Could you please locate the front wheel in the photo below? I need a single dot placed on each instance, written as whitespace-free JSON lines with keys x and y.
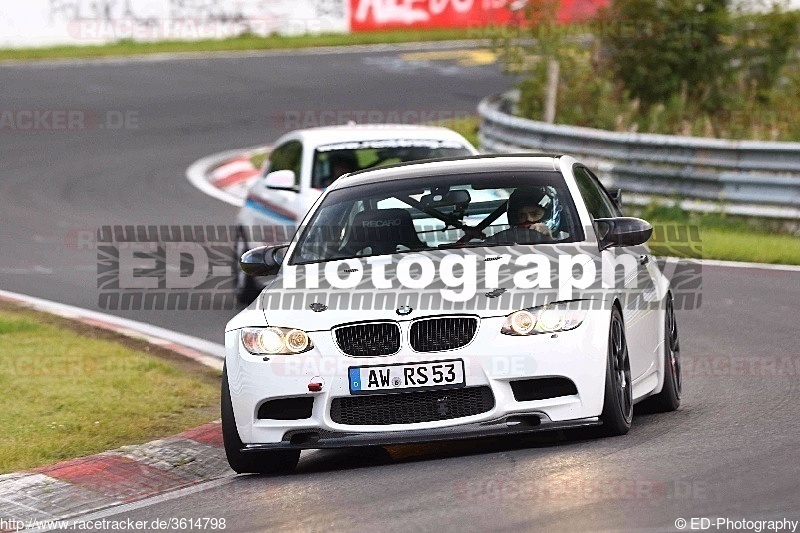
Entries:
{"x":262,"y":462}
{"x":617,"y":412}
{"x":669,"y":399}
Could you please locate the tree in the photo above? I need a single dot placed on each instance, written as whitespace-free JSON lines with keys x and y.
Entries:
{"x":679,"y":49}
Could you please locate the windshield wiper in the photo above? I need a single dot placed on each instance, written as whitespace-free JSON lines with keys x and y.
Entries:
{"x":464,"y":245}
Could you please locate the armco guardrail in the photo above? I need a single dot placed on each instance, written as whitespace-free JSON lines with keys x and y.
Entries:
{"x":738,"y":177}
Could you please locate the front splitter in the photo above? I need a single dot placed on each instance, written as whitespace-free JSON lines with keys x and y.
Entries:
{"x":510,"y":425}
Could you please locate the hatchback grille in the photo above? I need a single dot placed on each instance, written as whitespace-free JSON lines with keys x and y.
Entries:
{"x":364,"y":340}
{"x":447,"y":333}
{"x":411,"y":407}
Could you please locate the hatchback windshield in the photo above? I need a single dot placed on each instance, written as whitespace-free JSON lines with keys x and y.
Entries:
{"x":440,"y":212}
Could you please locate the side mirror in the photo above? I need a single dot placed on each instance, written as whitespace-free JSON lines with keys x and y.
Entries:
{"x":616,"y":197}
{"x":264,"y":260}
{"x":622,"y":231}
{"x":280,"y":180}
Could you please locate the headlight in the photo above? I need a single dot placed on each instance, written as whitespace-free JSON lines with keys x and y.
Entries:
{"x":551,"y":318}
{"x":274,"y":341}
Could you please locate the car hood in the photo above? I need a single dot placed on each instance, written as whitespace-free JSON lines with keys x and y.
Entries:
{"x":477,"y":281}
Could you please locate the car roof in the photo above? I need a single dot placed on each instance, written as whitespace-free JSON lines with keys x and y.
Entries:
{"x":450,"y":165}
{"x":370,"y":132}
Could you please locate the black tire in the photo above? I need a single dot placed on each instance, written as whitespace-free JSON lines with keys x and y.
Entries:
{"x":669,"y":399}
{"x":617,"y":412}
{"x":245,"y":287}
{"x":263,"y":462}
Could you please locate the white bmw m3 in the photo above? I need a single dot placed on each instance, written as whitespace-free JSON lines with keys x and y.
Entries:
{"x":449,"y":299}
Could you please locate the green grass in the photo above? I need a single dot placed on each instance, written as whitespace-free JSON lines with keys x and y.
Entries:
{"x":467,"y":127}
{"x":751,"y":247}
{"x":729,"y":238}
{"x":731,"y":245}
{"x":722,"y":243}
{"x":70,"y":390}
{"x":246,"y":42}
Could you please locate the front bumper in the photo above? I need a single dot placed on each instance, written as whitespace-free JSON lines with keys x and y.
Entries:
{"x":579,"y":355}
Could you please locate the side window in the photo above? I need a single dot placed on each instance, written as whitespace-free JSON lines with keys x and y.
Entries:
{"x":287,"y":156}
{"x":604,"y":194}
{"x":597,"y":201}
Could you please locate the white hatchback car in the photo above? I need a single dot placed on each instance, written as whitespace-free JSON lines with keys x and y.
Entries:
{"x":455,"y":298}
{"x":304,"y":162}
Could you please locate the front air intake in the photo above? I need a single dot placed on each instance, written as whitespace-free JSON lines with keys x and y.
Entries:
{"x":526,"y":390}
{"x":298,"y":408}
{"x":411,"y":407}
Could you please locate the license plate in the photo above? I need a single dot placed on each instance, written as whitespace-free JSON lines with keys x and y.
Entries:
{"x":441,"y":374}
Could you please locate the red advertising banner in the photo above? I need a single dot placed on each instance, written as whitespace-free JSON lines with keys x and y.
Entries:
{"x":366,"y":15}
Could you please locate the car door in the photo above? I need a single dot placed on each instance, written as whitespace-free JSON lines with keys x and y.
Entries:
{"x":638,"y":309}
{"x":272,"y":206}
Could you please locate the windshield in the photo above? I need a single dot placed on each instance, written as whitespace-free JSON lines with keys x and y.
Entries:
{"x":438,"y":212}
{"x":334,"y":160}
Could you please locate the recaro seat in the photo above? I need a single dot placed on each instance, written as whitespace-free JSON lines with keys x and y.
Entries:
{"x":383,"y":230}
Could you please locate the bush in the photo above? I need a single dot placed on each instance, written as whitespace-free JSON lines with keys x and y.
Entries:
{"x":667,"y":66}
{"x":681,"y":52}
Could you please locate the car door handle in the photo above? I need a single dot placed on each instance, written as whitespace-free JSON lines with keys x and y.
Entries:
{"x":644,"y":259}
